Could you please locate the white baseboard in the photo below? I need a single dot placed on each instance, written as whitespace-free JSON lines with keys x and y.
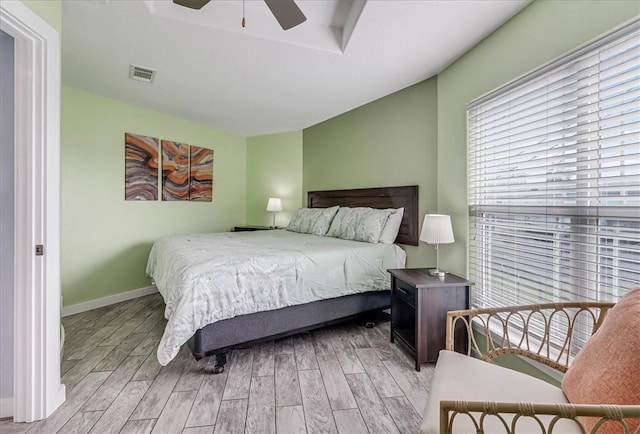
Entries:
{"x":6,"y":407}
{"x":106,"y":301}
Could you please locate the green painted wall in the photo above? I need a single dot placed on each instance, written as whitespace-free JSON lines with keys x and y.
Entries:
{"x":274,"y":169}
{"x":105,"y":240}
{"x":388,"y":142}
{"x":540,"y":33}
{"x":414,"y":136}
{"x":48,"y":10}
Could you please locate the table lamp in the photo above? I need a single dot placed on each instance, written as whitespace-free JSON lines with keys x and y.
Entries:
{"x":436,"y":229}
{"x":274,"y":205}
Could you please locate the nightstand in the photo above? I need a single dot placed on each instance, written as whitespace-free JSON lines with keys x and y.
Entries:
{"x":252,"y":228}
{"x":419,"y":305}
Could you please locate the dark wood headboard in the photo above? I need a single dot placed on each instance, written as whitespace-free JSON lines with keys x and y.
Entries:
{"x":382,"y":197}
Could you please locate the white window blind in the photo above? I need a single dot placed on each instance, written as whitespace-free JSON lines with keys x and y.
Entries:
{"x":554,"y":180}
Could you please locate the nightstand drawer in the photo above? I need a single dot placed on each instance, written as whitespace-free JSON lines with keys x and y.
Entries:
{"x":405,"y":291}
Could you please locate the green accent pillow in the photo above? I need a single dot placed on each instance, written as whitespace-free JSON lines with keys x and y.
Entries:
{"x":359,"y":224}
{"x":315,"y":221}
{"x":392,"y":227}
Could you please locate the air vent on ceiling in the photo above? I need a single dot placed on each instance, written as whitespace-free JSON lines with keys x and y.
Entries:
{"x":141,"y":74}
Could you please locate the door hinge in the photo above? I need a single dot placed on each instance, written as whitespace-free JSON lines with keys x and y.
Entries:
{"x":39,"y":250}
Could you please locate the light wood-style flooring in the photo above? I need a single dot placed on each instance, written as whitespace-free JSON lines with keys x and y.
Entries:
{"x":344,"y":379}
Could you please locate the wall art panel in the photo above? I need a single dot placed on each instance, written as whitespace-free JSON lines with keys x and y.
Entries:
{"x":141,"y":167}
{"x":201,"y":174}
{"x":175,"y":171}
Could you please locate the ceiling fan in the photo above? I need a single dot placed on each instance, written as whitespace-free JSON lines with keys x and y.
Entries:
{"x":286,"y":12}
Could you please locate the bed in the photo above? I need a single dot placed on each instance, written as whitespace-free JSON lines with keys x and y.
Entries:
{"x":213,"y":319}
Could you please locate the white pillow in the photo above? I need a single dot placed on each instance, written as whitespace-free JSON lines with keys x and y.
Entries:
{"x":391,"y":229}
{"x":315,"y":221}
{"x":359,"y":224}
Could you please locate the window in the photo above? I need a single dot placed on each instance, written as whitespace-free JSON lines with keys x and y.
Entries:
{"x":554,"y":180}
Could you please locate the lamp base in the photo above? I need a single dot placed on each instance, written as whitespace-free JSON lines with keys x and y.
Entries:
{"x":436,"y":272}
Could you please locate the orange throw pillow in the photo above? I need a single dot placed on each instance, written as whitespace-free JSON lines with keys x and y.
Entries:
{"x":607,"y":369}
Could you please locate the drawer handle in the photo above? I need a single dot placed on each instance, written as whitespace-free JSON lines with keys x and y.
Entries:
{"x":401,"y":290}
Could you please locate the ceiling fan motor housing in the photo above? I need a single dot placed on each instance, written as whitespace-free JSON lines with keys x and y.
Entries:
{"x":286,"y":12}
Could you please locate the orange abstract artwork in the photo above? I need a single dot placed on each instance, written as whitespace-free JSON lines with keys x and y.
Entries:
{"x":141,"y":167}
{"x":186,"y":174}
{"x":175,"y":171}
{"x":200,"y":174}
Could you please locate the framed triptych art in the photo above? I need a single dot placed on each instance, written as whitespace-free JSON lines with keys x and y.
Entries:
{"x":184,"y":172}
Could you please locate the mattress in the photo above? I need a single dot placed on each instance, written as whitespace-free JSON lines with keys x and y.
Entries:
{"x":205,"y":278}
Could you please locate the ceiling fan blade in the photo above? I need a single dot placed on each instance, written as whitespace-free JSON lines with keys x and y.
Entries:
{"x":286,"y":12}
{"x":192,"y":4}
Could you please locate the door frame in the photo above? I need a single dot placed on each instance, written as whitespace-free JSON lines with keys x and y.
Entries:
{"x":37,"y":391}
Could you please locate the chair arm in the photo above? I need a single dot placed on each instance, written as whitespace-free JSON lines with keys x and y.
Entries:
{"x":542,"y":332}
{"x":478,"y":410}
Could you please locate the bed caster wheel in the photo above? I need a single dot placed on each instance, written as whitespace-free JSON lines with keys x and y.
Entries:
{"x":370,"y":324}
{"x":221,"y":360}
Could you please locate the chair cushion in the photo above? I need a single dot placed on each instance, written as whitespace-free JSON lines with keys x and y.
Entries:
{"x":458,"y":377}
{"x":606,"y":370}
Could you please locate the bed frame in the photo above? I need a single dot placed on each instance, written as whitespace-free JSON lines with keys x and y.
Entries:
{"x":220,"y":337}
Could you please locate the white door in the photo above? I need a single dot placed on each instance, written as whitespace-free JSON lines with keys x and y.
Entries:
{"x":37,"y":391}
{"x":6,"y":223}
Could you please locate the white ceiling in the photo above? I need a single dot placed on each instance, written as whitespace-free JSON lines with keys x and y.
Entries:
{"x":261,"y":79}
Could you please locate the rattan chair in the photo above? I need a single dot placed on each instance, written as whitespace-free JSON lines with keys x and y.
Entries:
{"x":545,"y":333}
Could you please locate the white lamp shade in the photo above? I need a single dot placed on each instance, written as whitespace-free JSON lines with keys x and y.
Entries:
{"x":274,"y":204}
{"x":436,"y":229}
